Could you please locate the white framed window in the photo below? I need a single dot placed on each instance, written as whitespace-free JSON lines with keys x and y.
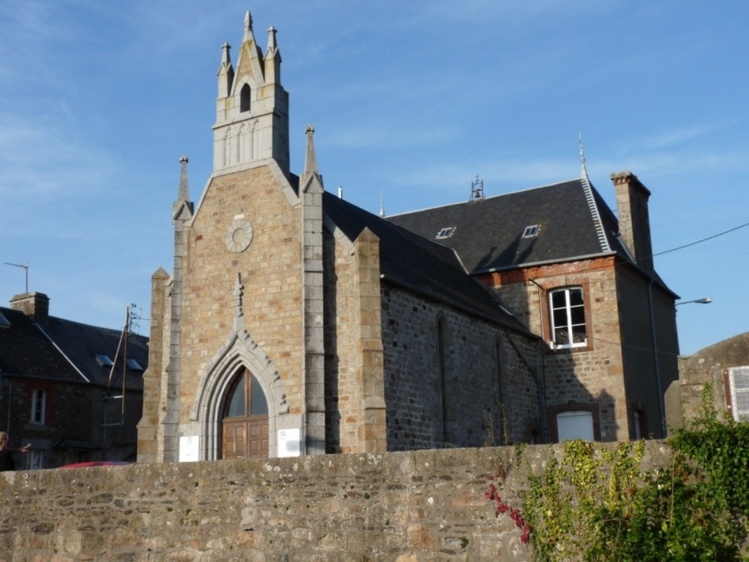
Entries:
{"x":38,"y":406}
{"x":567,"y":318}
{"x":446,"y":232}
{"x":575,"y":425}
{"x":532,"y":231}
{"x":738,"y":380}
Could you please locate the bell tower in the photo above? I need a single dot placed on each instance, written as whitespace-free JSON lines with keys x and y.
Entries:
{"x":252,"y":108}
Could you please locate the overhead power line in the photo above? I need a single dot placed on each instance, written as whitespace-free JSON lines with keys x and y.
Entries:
{"x":703,"y":240}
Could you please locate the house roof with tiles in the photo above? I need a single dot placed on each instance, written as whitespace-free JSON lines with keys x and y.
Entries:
{"x":555,"y":223}
{"x":51,"y":348}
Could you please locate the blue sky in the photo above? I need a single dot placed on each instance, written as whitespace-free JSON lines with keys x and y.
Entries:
{"x":410,"y":100}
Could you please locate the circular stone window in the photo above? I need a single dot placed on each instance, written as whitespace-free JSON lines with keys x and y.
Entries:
{"x":238,"y":235}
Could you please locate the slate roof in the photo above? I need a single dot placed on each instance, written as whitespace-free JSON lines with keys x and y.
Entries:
{"x":81,"y":342}
{"x":420,"y":265}
{"x":25,"y":351}
{"x":574,"y":220}
{"x":65,"y":351}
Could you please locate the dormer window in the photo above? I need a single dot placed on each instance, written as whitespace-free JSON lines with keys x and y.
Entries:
{"x":445,"y":233}
{"x":244,"y":98}
{"x":134,"y":365}
{"x":104,"y":360}
{"x":531,"y":231}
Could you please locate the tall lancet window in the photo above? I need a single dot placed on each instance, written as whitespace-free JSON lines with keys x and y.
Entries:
{"x":244,"y":98}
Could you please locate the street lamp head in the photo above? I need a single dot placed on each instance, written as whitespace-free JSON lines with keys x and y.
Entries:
{"x":704,"y":300}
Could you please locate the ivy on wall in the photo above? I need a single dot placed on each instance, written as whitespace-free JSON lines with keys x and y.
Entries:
{"x":597,"y":504}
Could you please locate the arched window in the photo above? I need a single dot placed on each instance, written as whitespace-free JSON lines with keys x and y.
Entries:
{"x":244,"y":98}
{"x":245,"y":419}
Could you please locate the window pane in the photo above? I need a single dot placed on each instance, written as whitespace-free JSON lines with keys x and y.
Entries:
{"x":560,"y":318}
{"x":259,"y":404}
{"x":576,"y":297}
{"x":578,"y":334}
{"x":236,"y":402}
{"x":558,"y":299}
{"x":578,"y":315}
{"x":561,"y":336}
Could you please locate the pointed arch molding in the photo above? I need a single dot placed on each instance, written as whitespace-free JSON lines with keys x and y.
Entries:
{"x":240,"y":350}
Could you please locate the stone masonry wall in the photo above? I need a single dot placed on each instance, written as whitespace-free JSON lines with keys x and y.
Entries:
{"x":341,"y":343}
{"x":404,"y":507}
{"x":475,"y":408}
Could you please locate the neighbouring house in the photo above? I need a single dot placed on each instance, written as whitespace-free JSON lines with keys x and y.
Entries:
{"x":62,"y":388}
{"x":584,"y":280}
{"x":294,"y":323}
{"x":725,"y":367}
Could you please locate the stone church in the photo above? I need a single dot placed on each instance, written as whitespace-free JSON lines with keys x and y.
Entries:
{"x":295,"y":323}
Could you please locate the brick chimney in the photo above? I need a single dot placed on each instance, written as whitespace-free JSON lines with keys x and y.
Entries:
{"x":33,"y":305}
{"x":634,"y":220}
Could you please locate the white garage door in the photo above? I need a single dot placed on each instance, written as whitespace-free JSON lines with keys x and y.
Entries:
{"x":575,"y":425}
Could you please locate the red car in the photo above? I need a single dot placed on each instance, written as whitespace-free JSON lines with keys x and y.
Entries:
{"x":94,"y":463}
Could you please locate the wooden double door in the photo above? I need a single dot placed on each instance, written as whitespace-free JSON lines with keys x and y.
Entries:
{"x":245,"y":419}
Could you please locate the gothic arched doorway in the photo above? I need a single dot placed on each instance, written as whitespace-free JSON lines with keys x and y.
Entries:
{"x":245,"y":419}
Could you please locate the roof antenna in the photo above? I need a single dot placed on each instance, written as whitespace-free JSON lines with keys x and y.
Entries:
{"x":477,"y":189}
{"x":25,"y":267}
{"x":382,"y":205}
{"x":584,"y":170}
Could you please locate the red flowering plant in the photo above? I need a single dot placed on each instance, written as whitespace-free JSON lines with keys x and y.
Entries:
{"x":492,"y":494}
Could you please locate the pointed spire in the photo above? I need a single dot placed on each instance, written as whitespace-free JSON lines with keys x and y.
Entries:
{"x":272,"y":47}
{"x":272,"y":59}
{"x":225,"y":75}
{"x":247,"y":25}
{"x":310,"y":161}
{"x":382,"y":205}
{"x":225,"y":56}
{"x":182,"y":208}
{"x":584,"y":170}
{"x":184,"y":190}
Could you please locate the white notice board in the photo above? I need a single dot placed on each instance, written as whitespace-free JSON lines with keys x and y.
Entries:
{"x":289,"y":443}
{"x":189,"y":449}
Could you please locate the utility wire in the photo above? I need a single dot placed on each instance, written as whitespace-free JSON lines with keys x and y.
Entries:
{"x":700,"y":241}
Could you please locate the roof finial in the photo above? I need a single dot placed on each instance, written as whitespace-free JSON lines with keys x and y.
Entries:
{"x":184,"y":190}
{"x":382,"y":205}
{"x":272,"y":46}
{"x":584,"y":170}
{"x":226,"y":57}
{"x":248,"y":21}
{"x":310,"y":162}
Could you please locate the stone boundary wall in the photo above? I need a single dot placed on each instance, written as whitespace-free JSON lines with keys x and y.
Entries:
{"x":405,"y":507}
